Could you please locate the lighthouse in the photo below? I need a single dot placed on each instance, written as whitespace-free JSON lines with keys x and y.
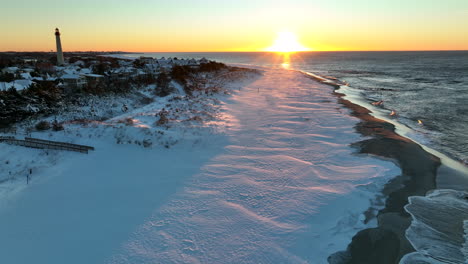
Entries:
{"x":60,"y":60}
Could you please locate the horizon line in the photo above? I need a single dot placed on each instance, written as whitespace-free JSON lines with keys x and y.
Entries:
{"x":258,"y":51}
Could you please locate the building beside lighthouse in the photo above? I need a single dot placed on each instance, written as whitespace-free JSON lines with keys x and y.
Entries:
{"x":60,"y":60}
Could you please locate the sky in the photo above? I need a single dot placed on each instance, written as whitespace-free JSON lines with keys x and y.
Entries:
{"x":233,"y":25}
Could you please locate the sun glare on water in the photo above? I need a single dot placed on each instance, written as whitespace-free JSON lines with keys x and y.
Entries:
{"x":287,"y":42}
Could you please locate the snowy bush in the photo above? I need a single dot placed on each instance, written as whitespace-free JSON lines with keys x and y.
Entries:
{"x":162,"y":118}
{"x":162,"y":85}
{"x":147,"y":143}
{"x":43,"y":125}
{"x":146,"y":100}
{"x":127,"y":121}
{"x":212,"y":66}
{"x":57,"y":126}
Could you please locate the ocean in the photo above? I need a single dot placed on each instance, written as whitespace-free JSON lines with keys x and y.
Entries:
{"x":428,"y":90}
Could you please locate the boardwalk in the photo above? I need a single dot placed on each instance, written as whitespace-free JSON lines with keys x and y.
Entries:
{"x":45,"y":144}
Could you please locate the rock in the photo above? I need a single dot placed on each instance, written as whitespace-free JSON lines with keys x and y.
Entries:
{"x":374,"y":245}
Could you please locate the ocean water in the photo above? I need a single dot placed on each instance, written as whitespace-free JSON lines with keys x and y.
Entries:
{"x":428,"y":86}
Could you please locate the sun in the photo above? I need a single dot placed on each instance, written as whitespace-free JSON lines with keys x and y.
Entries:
{"x":287,"y":42}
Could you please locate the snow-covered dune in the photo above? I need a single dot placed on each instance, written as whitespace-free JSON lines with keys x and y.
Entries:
{"x":279,"y":185}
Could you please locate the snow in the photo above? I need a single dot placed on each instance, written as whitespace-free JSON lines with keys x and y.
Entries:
{"x":19,"y":85}
{"x":92,"y":75}
{"x":85,"y":71}
{"x":70,"y":76}
{"x":264,"y":175}
{"x":26,"y":76}
{"x":4,"y":85}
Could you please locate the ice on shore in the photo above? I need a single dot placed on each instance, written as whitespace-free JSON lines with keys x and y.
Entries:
{"x":274,"y":180}
{"x":439,"y":228}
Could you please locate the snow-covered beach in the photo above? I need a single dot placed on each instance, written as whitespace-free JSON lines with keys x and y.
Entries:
{"x":266,"y":174}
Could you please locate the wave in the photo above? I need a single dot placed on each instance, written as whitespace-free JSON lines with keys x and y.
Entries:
{"x":405,"y":126}
{"x":360,"y":72}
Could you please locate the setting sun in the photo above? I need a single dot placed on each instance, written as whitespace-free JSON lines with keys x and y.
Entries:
{"x":287,"y":42}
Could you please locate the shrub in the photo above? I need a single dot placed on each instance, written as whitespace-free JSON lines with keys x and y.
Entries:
{"x":48,"y":91}
{"x":138,"y":63}
{"x":181,"y":73}
{"x":43,"y":125}
{"x":162,"y":118}
{"x":127,"y":121}
{"x":162,"y":85}
{"x":189,"y":89}
{"x":56,"y":126}
{"x":211,"y":66}
{"x":7,"y":77}
{"x":146,"y":100}
{"x":147,"y":143}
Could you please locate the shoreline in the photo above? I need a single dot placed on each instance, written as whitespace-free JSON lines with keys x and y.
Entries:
{"x":419,"y":170}
{"x":387,"y":241}
{"x":425,"y":172}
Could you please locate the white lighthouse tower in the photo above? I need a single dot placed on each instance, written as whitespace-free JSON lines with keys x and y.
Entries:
{"x":60,"y":60}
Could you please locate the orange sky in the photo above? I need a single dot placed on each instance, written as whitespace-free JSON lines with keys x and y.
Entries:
{"x":209,"y":25}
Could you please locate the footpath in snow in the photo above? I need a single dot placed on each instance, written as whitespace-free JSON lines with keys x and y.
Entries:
{"x":279,"y":185}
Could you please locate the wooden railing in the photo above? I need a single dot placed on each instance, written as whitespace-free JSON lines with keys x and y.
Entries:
{"x":45,"y":144}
